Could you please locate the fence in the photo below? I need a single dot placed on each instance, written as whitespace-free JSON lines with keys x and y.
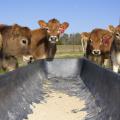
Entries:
{"x":68,"y":48}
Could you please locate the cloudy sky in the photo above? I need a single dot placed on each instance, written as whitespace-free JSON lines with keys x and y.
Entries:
{"x":83,"y":15}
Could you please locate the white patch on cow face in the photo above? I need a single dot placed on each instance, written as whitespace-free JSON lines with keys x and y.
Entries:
{"x":28,"y":58}
{"x":53,"y":39}
{"x":96,"y":52}
{"x":115,"y":68}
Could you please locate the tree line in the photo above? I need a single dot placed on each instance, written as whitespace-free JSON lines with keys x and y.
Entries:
{"x":70,"y":39}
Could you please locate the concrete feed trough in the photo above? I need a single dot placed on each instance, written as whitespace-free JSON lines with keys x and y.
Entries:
{"x":98,"y":87}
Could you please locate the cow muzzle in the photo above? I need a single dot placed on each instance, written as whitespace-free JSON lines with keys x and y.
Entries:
{"x":28,"y":59}
{"x":96,"y":52}
{"x":53,"y":39}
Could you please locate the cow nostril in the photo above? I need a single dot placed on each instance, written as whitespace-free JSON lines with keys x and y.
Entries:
{"x":96,"y":52}
{"x":31,"y":58}
{"x":53,"y":39}
{"x":24,"y":41}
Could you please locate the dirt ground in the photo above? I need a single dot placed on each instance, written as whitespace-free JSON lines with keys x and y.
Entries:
{"x":59,"y":106}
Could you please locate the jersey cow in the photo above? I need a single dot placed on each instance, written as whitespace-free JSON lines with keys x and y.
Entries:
{"x":43,"y":42}
{"x":14,"y":43}
{"x":115,"y":51}
{"x":98,"y":47}
{"x":84,"y":39}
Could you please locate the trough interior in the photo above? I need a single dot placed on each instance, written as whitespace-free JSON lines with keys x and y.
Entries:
{"x":99,"y":88}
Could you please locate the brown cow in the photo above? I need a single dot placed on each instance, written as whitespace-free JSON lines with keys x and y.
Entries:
{"x":84,"y":39}
{"x":115,"y":52}
{"x":14,"y":43}
{"x":99,"y":43}
{"x":43,"y":42}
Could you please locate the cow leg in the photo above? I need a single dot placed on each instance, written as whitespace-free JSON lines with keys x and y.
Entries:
{"x":110,"y":63}
{"x":9,"y":63}
{"x":90,"y":57}
{"x":51,"y":52}
{"x":115,"y":68}
{"x":97,"y":60}
{"x":84,"y":46}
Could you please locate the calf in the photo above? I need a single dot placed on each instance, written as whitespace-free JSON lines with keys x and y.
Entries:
{"x":99,"y":43}
{"x":14,"y":43}
{"x":84,"y":39}
{"x":43,"y":42}
{"x":115,"y":51}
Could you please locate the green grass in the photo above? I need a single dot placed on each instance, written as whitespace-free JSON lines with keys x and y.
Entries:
{"x":69,"y":51}
{"x":2,"y":71}
{"x":69,"y":55}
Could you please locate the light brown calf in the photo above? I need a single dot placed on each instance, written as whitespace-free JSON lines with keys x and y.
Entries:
{"x":43,"y":42}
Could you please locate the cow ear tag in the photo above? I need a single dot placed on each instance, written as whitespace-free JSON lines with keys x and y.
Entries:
{"x":106,"y":39}
{"x":61,"y":30}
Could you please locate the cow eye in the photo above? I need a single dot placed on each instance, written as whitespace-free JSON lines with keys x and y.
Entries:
{"x":47,"y":28}
{"x":24,"y":42}
{"x":117,"y":34}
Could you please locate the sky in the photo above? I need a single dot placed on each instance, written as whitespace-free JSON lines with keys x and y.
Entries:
{"x":82,"y":15}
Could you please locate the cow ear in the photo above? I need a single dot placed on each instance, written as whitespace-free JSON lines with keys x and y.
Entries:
{"x":42,"y":24}
{"x":2,"y":26}
{"x":64,"y":25}
{"x":1,"y":41}
{"x":85,"y":36}
{"x":111,"y":28}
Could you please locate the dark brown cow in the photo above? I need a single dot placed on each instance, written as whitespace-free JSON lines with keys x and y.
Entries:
{"x":14,"y":43}
{"x":43,"y":42}
{"x":99,"y":43}
{"x":115,"y":52}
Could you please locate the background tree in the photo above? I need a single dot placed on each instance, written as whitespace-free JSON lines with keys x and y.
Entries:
{"x":70,"y":39}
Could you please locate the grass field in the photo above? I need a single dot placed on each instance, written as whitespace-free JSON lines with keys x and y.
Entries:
{"x":69,"y":51}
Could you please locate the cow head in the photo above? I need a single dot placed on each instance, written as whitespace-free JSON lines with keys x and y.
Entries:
{"x":99,"y":41}
{"x":54,"y":29}
{"x":115,"y":31}
{"x":16,"y":40}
